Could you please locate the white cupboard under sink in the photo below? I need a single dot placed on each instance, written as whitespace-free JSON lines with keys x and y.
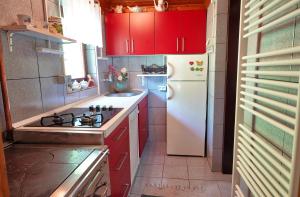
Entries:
{"x":134,"y":143}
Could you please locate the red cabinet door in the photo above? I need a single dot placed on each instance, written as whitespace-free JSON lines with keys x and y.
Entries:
{"x":117,"y":34}
{"x":193,"y":32}
{"x":142,"y":33}
{"x":119,"y":160}
{"x":167,"y":32}
{"x":143,"y":124}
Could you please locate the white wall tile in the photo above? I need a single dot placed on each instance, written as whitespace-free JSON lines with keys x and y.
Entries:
{"x":220,"y":83}
{"x":222,"y":6}
{"x":218,"y":136}
{"x":221,"y":33}
{"x":219,"y":111}
{"x":221,"y":57}
{"x":157,"y":99}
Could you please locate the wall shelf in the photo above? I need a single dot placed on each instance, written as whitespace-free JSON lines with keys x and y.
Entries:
{"x":34,"y":32}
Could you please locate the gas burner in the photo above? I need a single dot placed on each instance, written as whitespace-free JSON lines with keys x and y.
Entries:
{"x":57,"y":120}
{"x":89,"y":120}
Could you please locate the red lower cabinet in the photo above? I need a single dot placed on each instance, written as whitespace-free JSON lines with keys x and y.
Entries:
{"x":119,"y":160}
{"x":143,"y":124}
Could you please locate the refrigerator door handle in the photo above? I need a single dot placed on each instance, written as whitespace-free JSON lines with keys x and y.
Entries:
{"x":170,"y":70}
{"x":171,"y":92}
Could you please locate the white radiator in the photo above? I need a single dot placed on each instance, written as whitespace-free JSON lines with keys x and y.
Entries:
{"x":268,"y":93}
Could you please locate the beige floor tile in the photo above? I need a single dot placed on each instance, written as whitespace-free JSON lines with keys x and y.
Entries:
{"x":150,"y":158}
{"x":179,"y":183}
{"x":150,"y":171}
{"x":176,"y":172}
{"x":199,"y":188}
{"x":170,"y":188}
{"x":204,"y":173}
{"x":141,"y":183}
{"x":225,"y":188}
{"x":175,"y":161}
{"x":197,"y":161}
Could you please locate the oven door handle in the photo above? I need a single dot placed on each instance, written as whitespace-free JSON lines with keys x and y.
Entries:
{"x":91,"y":189}
{"x":122,"y":162}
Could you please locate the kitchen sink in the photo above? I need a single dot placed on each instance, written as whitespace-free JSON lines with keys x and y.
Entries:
{"x":128,"y":93}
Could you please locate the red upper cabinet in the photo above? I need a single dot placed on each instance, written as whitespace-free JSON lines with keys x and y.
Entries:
{"x":130,"y":34}
{"x":148,"y":33}
{"x":117,"y":34}
{"x":167,"y":32}
{"x":142,"y":33}
{"x":180,"y":32}
{"x":193,"y":32}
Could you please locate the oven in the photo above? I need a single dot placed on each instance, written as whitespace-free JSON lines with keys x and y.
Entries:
{"x":96,"y":182}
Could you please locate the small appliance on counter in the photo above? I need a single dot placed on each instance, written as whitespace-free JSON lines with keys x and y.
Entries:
{"x":57,"y":170}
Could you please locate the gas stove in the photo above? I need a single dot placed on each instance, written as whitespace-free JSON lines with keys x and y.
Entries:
{"x":93,"y":117}
{"x":72,"y":126}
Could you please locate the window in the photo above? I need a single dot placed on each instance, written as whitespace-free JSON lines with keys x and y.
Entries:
{"x":74,"y":60}
{"x":81,"y":22}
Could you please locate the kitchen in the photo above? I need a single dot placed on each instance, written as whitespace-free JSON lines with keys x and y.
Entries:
{"x":137,"y":98}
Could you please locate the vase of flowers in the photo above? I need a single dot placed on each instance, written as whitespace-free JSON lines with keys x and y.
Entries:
{"x":120,"y":79}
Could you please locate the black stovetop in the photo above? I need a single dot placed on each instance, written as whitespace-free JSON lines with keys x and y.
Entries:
{"x":92,"y":117}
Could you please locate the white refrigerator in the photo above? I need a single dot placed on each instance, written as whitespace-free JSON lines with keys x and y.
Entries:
{"x":186,"y":104}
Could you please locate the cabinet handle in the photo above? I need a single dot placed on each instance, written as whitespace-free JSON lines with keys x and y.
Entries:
{"x":122,"y":162}
{"x":183,"y":44}
{"x":177,"y":44}
{"x":125,"y":191}
{"x":120,"y":136}
{"x":127,"y":46}
{"x":132,"y":46}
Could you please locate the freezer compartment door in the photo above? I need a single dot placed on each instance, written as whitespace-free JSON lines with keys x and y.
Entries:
{"x":186,"y":117}
{"x":187,"y":67}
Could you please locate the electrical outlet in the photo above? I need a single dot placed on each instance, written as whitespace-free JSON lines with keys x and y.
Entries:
{"x":162,"y":88}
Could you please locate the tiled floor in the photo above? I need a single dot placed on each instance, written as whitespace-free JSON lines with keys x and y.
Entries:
{"x":173,"y":176}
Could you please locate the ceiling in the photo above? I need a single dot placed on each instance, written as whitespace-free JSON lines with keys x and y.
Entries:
{"x":173,"y":4}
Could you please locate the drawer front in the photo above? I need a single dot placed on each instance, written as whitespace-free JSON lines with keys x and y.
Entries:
{"x":119,"y":160}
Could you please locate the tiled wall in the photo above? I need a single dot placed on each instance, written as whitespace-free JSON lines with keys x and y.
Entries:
{"x":217,"y":17}
{"x":157,"y":99}
{"x":34,"y":80}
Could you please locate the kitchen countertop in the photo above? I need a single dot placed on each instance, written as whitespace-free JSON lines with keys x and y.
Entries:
{"x":127,"y":103}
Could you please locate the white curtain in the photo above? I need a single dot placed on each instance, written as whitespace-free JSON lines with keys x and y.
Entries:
{"x":82,"y":21}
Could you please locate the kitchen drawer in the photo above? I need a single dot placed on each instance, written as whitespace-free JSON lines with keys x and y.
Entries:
{"x":118,"y":134}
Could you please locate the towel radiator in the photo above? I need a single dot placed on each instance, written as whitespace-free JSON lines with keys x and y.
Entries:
{"x":268,"y":103}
